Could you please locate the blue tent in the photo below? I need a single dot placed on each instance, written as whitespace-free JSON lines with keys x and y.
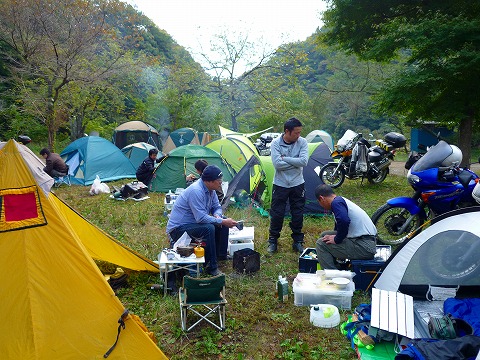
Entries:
{"x":93,"y":155}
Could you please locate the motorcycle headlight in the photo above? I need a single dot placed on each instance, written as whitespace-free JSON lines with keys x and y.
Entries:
{"x":413,"y":179}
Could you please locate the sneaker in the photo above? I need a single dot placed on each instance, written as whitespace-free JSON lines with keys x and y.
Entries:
{"x":297,"y":247}
{"x":215,"y":272}
{"x":272,"y":248}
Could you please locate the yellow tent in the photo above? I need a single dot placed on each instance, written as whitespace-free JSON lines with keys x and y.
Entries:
{"x":56,"y":304}
{"x":99,"y":244}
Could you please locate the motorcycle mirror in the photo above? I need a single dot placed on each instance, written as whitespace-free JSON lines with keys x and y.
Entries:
{"x":24,"y":139}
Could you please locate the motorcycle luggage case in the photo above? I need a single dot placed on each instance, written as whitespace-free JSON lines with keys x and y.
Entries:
{"x":397,"y":140}
{"x":135,"y":189}
{"x":376,"y":154}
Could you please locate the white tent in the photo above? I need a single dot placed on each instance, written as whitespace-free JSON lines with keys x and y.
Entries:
{"x":445,"y":254}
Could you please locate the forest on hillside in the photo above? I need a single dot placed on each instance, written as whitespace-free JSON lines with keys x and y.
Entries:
{"x":71,"y":68}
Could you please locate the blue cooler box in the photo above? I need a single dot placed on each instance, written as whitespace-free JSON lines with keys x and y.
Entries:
{"x":365,"y":272}
{"x":307,"y":262}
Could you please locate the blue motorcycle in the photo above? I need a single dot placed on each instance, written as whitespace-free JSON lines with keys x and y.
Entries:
{"x":440,"y":185}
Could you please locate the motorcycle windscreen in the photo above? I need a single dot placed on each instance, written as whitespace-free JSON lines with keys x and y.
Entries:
{"x":346,"y":138}
{"x":434,"y":157}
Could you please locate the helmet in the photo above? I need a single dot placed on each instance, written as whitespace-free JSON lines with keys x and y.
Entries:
{"x":476,"y":192}
{"x":455,"y":157}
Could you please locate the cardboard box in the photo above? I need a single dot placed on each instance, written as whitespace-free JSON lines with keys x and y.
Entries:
{"x":311,"y":291}
{"x":307,"y":262}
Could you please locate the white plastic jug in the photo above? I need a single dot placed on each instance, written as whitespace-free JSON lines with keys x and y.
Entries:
{"x":324,"y":315}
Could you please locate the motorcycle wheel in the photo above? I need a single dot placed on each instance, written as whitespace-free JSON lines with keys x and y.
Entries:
{"x":380,"y":177}
{"x":329,"y":178}
{"x":389,"y":220}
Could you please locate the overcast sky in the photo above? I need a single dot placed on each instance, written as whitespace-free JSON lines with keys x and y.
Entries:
{"x":192,"y":23}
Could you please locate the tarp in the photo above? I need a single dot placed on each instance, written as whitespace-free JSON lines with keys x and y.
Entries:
{"x":227,"y":132}
{"x":56,"y":304}
{"x":171,"y":172}
{"x":135,"y":131}
{"x":90,"y":156}
{"x":137,"y":152}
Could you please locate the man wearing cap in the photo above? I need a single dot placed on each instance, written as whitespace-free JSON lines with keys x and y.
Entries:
{"x":197,"y":212}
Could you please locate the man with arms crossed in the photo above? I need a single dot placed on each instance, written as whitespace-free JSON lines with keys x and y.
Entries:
{"x":289,"y":156}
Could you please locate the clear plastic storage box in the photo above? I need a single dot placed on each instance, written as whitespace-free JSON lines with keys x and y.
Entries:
{"x":310,"y":289}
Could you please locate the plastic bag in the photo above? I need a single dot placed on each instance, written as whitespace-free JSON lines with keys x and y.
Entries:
{"x":98,"y":187}
{"x":183,"y":241}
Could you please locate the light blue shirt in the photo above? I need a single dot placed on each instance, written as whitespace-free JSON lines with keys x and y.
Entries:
{"x":196,"y":204}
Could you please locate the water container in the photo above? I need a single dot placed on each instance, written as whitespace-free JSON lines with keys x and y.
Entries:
{"x":324,"y":315}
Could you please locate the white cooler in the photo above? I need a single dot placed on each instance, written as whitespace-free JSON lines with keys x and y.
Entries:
{"x":240,"y":239}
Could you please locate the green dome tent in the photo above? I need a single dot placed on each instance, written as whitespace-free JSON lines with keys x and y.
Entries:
{"x":171,"y":172}
{"x":135,"y":131}
{"x":236,"y":150}
{"x":90,"y":156}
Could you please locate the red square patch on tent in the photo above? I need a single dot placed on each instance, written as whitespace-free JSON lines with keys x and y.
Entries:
{"x":20,"y":208}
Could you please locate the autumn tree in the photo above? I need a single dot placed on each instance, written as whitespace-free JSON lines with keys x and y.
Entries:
{"x":441,"y":42}
{"x":54,"y":44}
{"x":235,"y":61}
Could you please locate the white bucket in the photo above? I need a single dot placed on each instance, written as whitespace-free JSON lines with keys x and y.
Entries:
{"x":324,"y":315}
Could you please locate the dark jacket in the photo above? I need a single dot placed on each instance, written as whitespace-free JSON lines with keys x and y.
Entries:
{"x":145,"y":170}
{"x":55,"y":162}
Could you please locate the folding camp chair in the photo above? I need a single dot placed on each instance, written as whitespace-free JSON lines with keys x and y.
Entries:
{"x":63,"y":179}
{"x":204,"y":297}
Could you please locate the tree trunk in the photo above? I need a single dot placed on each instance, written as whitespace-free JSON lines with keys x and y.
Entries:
{"x":465,"y":138}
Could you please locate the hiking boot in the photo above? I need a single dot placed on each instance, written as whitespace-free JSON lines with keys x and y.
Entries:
{"x":272,"y":248}
{"x":215,"y":272}
{"x":297,"y":247}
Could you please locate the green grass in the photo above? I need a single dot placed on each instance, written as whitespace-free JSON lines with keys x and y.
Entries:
{"x":258,"y":325}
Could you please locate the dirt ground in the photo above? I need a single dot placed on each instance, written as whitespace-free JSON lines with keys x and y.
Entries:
{"x":398,"y":168}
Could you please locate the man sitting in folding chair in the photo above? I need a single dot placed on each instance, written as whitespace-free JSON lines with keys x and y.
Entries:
{"x":203,"y":297}
{"x":55,"y":167}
